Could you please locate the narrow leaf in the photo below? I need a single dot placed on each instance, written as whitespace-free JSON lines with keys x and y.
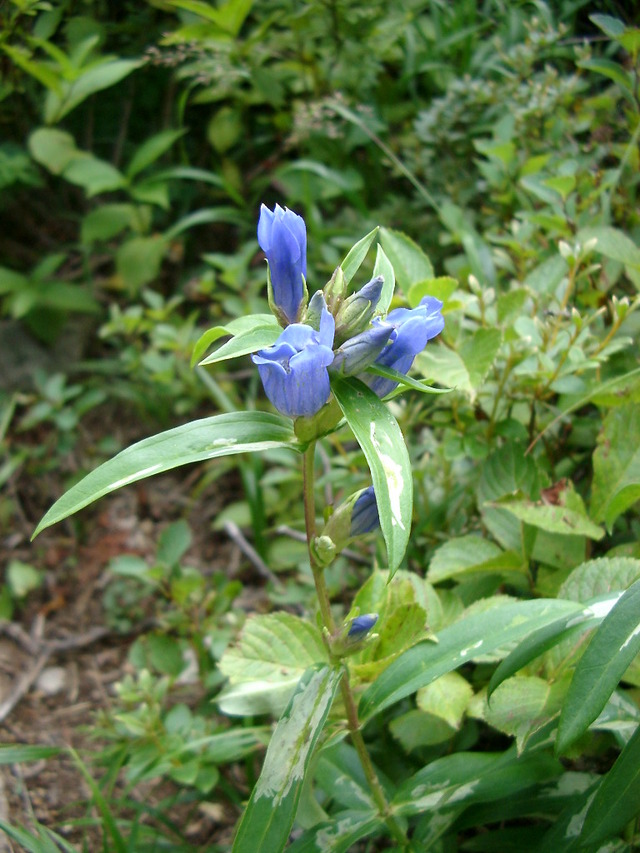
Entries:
{"x":384,"y":268}
{"x":382,"y":443}
{"x":357,"y":254}
{"x":268,"y":818}
{"x":405,"y":381}
{"x":208,"y":438}
{"x":459,"y":643}
{"x":244,"y":343}
{"x":611,"y":650}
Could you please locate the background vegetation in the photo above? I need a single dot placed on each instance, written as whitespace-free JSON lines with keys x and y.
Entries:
{"x":139,"y":139}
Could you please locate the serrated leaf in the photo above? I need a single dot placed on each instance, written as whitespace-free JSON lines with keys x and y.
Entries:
{"x":617,"y":799}
{"x":447,"y":698}
{"x":612,"y":648}
{"x":521,"y":705}
{"x":409,"y":261}
{"x":356,"y":255}
{"x":600,"y":576}
{"x":268,"y":818}
{"x":208,"y":438}
{"x":266,"y":663}
{"x":566,"y":515}
{"x":616,"y":465}
{"x":382,"y":443}
{"x":475,"y":635}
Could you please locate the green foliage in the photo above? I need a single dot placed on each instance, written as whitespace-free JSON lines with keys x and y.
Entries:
{"x":498,"y":150}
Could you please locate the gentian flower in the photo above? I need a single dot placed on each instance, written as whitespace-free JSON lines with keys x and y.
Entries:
{"x":364,"y":516}
{"x":294,"y":370}
{"x":282,"y":236}
{"x":410,"y":329}
{"x":355,"y":313}
{"x":361,"y":625}
{"x":356,"y":354}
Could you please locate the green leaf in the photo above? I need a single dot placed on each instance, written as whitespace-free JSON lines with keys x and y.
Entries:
{"x":339,"y":774}
{"x":442,"y":288}
{"x":268,"y":818}
{"x":378,"y":434}
{"x":613,"y":70}
{"x":138,"y":260}
{"x":356,"y":255}
{"x":16,"y":754}
{"x":610,"y":26}
{"x":551,"y":635}
{"x":612,"y":243}
{"x":599,"y":577}
{"x":566,"y":515}
{"x":410,"y":263}
{"x":384,"y":268}
{"x":93,"y":175}
{"x":106,"y":222}
{"x":612,"y":648}
{"x":473,"y":636}
{"x":521,"y":705}
{"x":617,"y":799}
{"x":470,"y":554}
{"x":447,"y":698}
{"x":266,"y":663}
{"x":92,"y":79}
{"x":405,"y":382}
{"x":151,"y":149}
{"x":478,"y":354}
{"x":245,"y":342}
{"x":234,"y":327}
{"x":208,"y":438}
{"x":52,"y":148}
{"x":338,"y":835}
{"x":616,"y":465}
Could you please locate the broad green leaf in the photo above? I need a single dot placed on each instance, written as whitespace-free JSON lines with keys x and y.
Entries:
{"x":566,"y":515}
{"x":442,"y":288}
{"x":93,"y":79}
{"x":382,"y":443}
{"x":478,"y":354}
{"x":550,"y":635}
{"x":151,"y":149}
{"x":268,"y":818}
{"x":138,"y":260}
{"x":617,"y":799}
{"x":467,"y":777}
{"x":356,"y":255}
{"x":338,"y":835}
{"x":39,"y":70}
{"x":613,"y":70}
{"x":106,"y":222}
{"x":266,"y":663}
{"x":52,"y":148}
{"x":410,"y":263}
{"x":208,"y":438}
{"x":562,"y":184}
{"x":445,"y":365}
{"x":521,"y":705}
{"x":612,"y":648}
{"x":228,"y":16}
{"x":417,"y":729}
{"x":243,"y":343}
{"x":468,"y":554}
{"x":610,"y":26}
{"x":612,"y":243}
{"x":616,"y":465}
{"x":471,"y":637}
{"x":384,"y":268}
{"x":447,"y":698}
{"x":599,"y":577}
{"x":93,"y":175}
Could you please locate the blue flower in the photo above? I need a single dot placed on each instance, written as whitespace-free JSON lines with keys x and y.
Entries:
{"x":356,"y":354}
{"x":364,"y":516}
{"x":294,"y":370}
{"x":361,"y":625}
{"x":282,"y":236}
{"x":410,"y":329}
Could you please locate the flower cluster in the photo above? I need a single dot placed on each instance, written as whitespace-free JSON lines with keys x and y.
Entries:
{"x":315,"y":341}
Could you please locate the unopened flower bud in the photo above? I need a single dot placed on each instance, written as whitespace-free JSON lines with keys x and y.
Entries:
{"x":356,"y":312}
{"x":356,"y":354}
{"x":361,"y":625}
{"x":335,"y":290}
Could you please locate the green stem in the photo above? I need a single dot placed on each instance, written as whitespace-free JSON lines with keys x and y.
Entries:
{"x":353,"y":722}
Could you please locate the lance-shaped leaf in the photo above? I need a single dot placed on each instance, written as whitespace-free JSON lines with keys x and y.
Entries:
{"x":357,"y":254}
{"x":208,"y":438}
{"x":268,"y":818}
{"x":250,"y":334}
{"x":339,"y":834}
{"x":459,"y":643}
{"x":382,"y":443}
{"x":611,"y":650}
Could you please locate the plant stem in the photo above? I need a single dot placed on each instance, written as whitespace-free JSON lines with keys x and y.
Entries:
{"x":353,"y":722}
